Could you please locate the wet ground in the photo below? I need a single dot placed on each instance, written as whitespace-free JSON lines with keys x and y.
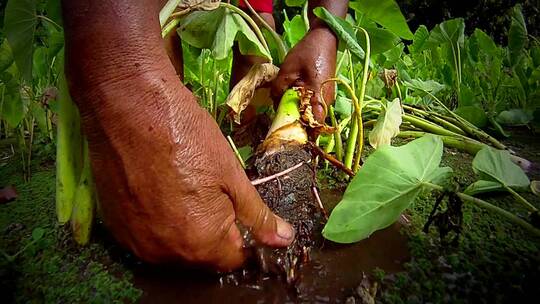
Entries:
{"x":332,"y":276}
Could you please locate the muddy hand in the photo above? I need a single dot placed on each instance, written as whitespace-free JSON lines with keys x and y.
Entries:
{"x":169,"y":186}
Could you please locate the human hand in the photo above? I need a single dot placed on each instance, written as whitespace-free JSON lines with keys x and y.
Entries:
{"x":170,"y":188}
{"x":311,"y":62}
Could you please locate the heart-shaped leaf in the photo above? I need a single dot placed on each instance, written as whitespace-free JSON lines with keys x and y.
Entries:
{"x":19,"y":25}
{"x":493,"y":165}
{"x":217,"y":30}
{"x":385,"y":13}
{"x":389,"y":181}
{"x":483,"y":186}
{"x":387,"y":126}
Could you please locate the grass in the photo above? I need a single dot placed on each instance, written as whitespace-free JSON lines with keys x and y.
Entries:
{"x":55,"y":269}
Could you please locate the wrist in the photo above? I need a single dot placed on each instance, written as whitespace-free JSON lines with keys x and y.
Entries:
{"x":324,"y":35}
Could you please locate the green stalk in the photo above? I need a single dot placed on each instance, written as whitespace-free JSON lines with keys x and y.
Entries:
{"x":351,"y":143}
{"x":353,"y":134}
{"x":521,"y":199}
{"x":288,"y":111}
{"x":58,"y":27}
{"x":337,"y":134}
{"x":169,"y":27}
{"x":463,"y":144}
{"x":286,"y":129}
{"x":469,"y":127}
{"x":68,"y":153}
{"x":167,"y":11}
{"x":84,"y":202}
{"x":365,"y":78}
{"x":235,"y":150}
{"x":22,"y":148}
{"x":427,"y":125}
{"x":305,"y":17}
{"x":509,"y":216}
{"x":435,"y":118}
{"x":215,"y":95}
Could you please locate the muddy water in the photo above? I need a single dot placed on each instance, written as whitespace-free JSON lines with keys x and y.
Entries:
{"x":332,"y":276}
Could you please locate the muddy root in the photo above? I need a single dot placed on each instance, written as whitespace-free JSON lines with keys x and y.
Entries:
{"x":291,"y":197}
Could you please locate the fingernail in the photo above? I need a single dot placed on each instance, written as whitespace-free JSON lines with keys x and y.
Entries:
{"x":284,"y":229}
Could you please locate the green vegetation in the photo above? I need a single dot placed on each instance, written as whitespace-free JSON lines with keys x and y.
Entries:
{"x":53,"y":269}
{"x":492,"y":262}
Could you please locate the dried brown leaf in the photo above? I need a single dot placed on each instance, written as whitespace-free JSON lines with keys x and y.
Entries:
{"x":306,"y":113}
{"x":187,"y":6}
{"x":243,"y":93}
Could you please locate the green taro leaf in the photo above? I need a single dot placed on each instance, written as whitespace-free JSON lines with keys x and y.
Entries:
{"x":483,"y":186}
{"x":473,"y":114}
{"x":381,"y":40}
{"x":54,"y":11}
{"x":295,"y":30}
{"x":425,"y":86}
{"x":342,"y":29}
{"x":248,"y":43}
{"x":493,"y":165}
{"x":217,"y":30}
{"x":385,"y":13}
{"x":392,"y":56}
{"x":19,"y":25}
{"x":420,"y":39}
{"x":6,"y":57}
{"x":387,"y":126}
{"x":199,"y":28}
{"x":389,"y":181}
{"x":517,"y":36}
{"x":13,"y":110}
{"x":38,"y":113}
{"x":343,"y":106}
{"x":515,"y":117}
{"x":450,"y":31}
{"x":484,"y":43}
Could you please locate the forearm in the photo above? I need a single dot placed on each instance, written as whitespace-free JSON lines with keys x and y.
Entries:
{"x":336,"y":7}
{"x":327,"y":37}
{"x":111,"y":42}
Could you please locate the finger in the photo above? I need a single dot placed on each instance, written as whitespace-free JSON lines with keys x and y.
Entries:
{"x":283,"y":81}
{"x":229,"y":253}
{"x":252,"y":212}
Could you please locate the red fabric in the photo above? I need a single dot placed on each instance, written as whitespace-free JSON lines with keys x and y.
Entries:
{"x":261,"y":6}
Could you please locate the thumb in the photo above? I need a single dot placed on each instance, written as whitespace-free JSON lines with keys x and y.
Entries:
{"x":251,"y":211}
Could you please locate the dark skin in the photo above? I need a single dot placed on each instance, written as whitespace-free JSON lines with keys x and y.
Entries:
{"x":169,"y":186}
{"x":313,"y":60}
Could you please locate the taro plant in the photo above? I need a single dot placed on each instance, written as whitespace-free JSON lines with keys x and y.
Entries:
{"x":28,"y":73}
{"x":395,"y":176}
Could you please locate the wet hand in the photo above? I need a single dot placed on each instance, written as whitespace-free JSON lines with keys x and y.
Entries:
{"x":171,"y":189}
{"x":311,"y":62}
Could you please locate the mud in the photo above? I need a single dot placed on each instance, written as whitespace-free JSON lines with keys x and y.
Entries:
{"x":334,"y":273}
{"x":292,"y":198}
